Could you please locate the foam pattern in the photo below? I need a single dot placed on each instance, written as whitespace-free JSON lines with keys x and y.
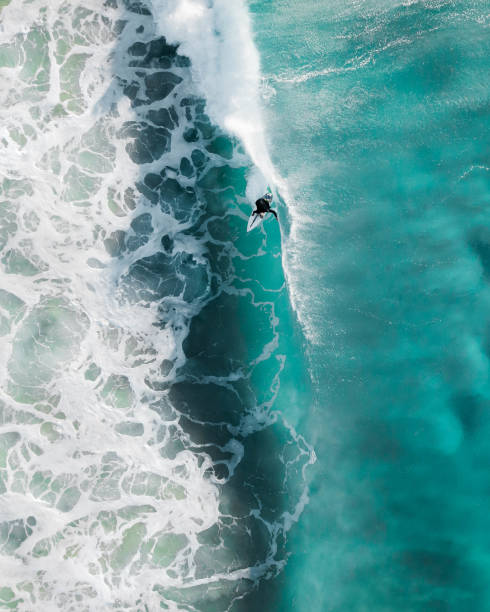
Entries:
{"x":140,"y":469}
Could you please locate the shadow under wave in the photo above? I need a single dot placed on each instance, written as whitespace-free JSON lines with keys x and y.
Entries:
{"x":219,"y":388}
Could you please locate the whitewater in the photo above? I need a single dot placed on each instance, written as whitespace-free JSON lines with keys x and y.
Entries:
{"x":145,"y":461}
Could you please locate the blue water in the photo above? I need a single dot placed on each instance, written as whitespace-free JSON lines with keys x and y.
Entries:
{"x":377,"y":116}
{"x":198,"y":419}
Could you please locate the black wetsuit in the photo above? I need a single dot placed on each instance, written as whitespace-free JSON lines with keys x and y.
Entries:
{"x":262,"y":206}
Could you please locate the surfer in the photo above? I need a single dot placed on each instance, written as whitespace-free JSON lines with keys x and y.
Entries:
{"x":263,"y":205}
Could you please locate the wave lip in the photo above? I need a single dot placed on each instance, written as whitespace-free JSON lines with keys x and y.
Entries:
{"x":217,"y":37}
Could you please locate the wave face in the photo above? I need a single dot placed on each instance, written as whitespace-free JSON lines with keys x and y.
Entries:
{"x":376,"y":113}
{"x":149,"y":353}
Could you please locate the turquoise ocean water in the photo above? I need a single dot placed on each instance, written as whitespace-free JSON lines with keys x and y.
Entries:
{"x":197,"y":419}
{"x":378,"y":115}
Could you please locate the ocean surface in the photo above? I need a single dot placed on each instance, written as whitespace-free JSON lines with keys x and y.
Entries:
{"x":197,"y":419}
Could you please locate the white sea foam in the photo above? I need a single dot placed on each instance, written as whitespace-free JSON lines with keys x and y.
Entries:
{"x":217,"y":37}
{"x":94,"y":495}
{"x":77,"y":428}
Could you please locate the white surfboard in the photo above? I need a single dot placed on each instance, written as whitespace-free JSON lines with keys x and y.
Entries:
{"x":253,"y":222}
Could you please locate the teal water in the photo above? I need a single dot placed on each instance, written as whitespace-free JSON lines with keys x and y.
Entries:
{"x":378,"y":116}
{"x":197,"y":419}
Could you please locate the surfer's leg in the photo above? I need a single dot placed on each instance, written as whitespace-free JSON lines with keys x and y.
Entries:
{"x":274,"y":213}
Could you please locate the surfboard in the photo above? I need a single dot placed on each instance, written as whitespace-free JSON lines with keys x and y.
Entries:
{"x":253,"y":222}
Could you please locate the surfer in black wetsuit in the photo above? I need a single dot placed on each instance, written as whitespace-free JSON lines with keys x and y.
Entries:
{"x":263,"y":205}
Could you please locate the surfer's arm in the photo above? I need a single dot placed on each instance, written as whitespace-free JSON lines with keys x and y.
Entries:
{"x":274,"y":213}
